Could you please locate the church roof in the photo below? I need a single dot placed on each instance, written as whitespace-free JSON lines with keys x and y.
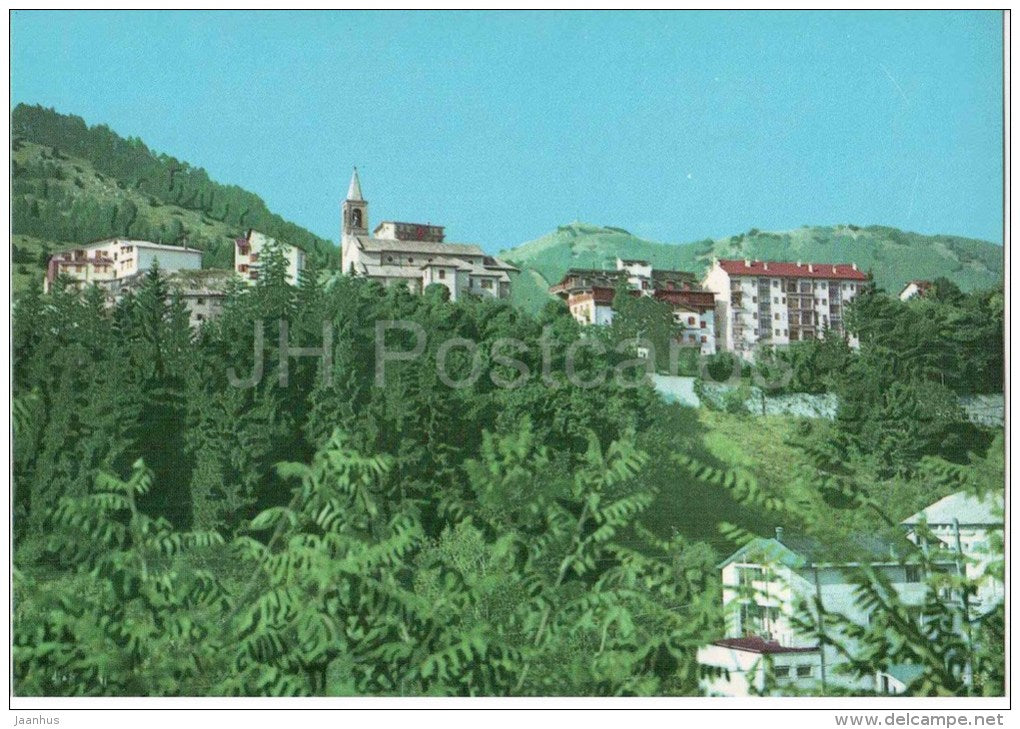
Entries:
{"x":376,"y":245}
{"x":354,"y":191}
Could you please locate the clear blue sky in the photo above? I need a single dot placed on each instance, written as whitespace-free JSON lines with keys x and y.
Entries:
{"x":676,"y":126}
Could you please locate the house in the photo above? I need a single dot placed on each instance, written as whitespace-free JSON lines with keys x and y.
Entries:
{"x":249,"y":250}
{"x":202,"y":293}
{"x":415,"y":254}
{"x":111,"y":260}
{"x":776,"y":303}
{"x":915,"y":288}
{"x":769,"y":586}
{"x":970,"y":525}
{"x":589,"y":295}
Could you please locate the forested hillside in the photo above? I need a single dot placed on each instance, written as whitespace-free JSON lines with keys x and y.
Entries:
{"x":187,"y":522}
{"x":893,"y":256}
{"x":72,"y":183}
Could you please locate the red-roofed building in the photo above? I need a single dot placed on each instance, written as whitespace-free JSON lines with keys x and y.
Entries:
{"x":589,"y":294}
{"x":775,"y":302}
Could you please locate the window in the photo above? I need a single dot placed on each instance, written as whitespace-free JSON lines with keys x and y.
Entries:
{"x":913,"y":573}
{"x":754,"y":299}
{"x":690,"y":320}
{"x":199,"y":317}
{"x":242,"y":268}
{"x":704,"y":325}
{"x":486,"y":283}
{"x":804,"y":671}
{"x":200,"y":301}
{"x":775,"y":299}
{"x":775,"y":283}
{"x":784,"y":332}
{"x":747,"y":575}
{"x":782,"y":671}
{"x":442,"y":273}
{"x":776,"y":332}
{"x":410,"y":260}
{"x":704,"y":339}
{"x":776,"y":316}
{"x":389,"y":259}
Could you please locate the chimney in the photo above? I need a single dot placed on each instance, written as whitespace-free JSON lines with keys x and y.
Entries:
{"x":799,"y":264}
{"x":811,"y":268}
{"x":834,"y":269}
{"x":779,"y":534}
{"x":765,"y":264}
{"x":853,"y":266}
{"x":747,"y":263}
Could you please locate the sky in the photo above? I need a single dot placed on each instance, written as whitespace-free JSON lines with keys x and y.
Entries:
{"x":676,"y":126}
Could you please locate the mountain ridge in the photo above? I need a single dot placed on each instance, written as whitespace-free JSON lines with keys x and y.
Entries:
{"x":893,"y":256}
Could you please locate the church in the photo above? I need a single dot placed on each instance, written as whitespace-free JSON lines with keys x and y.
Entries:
{"x":415,"y":253}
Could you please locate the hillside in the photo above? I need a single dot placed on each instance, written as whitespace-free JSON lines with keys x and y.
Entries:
{"x":893,"y":256}
{"x":72,"y":183}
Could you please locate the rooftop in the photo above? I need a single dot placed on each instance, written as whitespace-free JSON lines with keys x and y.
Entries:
{"x":785,"y":269}
{"x":377,"y":245}
{"x":130,"y":242}
{"x":754,"y":644}
{"x":797,"y":552}
{"x":966,"y":508}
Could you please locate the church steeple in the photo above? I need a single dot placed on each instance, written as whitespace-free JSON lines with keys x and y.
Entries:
{"x":354,"y":190}
{"x":353,"y":220}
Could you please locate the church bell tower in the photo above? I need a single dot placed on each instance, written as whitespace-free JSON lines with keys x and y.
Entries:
{"x":354,"y":219}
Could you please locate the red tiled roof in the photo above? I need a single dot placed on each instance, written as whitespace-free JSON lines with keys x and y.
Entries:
{"x":782,"y":269}
{"x":756,"y":644}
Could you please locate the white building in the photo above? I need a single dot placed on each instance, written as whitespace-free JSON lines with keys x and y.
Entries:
{"x":914,"y":288}
{"x":108,"y":261}
{"x":589,"y":294}
{"x":249,"y":250}
{"x":766,"y":584}
{"x":777,"y":303}
{"x":415,"y":254}
{"x":974,"y":524}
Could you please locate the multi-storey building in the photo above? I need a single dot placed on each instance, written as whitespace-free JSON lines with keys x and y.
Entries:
{"x":108,"y":261}
{"x":774,"y":303}
{"x":415,"y":254}
{"x":589,"y":295}
{"x":249,"y":249}
{"x":768,"y":583}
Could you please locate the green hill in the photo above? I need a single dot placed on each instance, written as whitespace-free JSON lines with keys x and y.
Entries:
{"x":893,"y":256}
{"x":71,"y":184}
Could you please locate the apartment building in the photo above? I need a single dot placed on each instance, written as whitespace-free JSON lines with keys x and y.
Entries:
{"x":416,"y":254}
{"x":110,"y":260}
{"x":775,"y":303}
{"x":589,"y":294}
{"x":249,"y":250}
{"x":770,"y":581}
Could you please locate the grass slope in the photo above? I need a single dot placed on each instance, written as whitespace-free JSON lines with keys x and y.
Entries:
{"x":894,"y":256}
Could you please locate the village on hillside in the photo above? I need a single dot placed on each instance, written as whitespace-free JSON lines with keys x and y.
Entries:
{"x":740,"y":306}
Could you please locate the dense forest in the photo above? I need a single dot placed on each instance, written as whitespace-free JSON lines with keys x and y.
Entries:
{"x":199,"y":512}
{"x":72,"y":183}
